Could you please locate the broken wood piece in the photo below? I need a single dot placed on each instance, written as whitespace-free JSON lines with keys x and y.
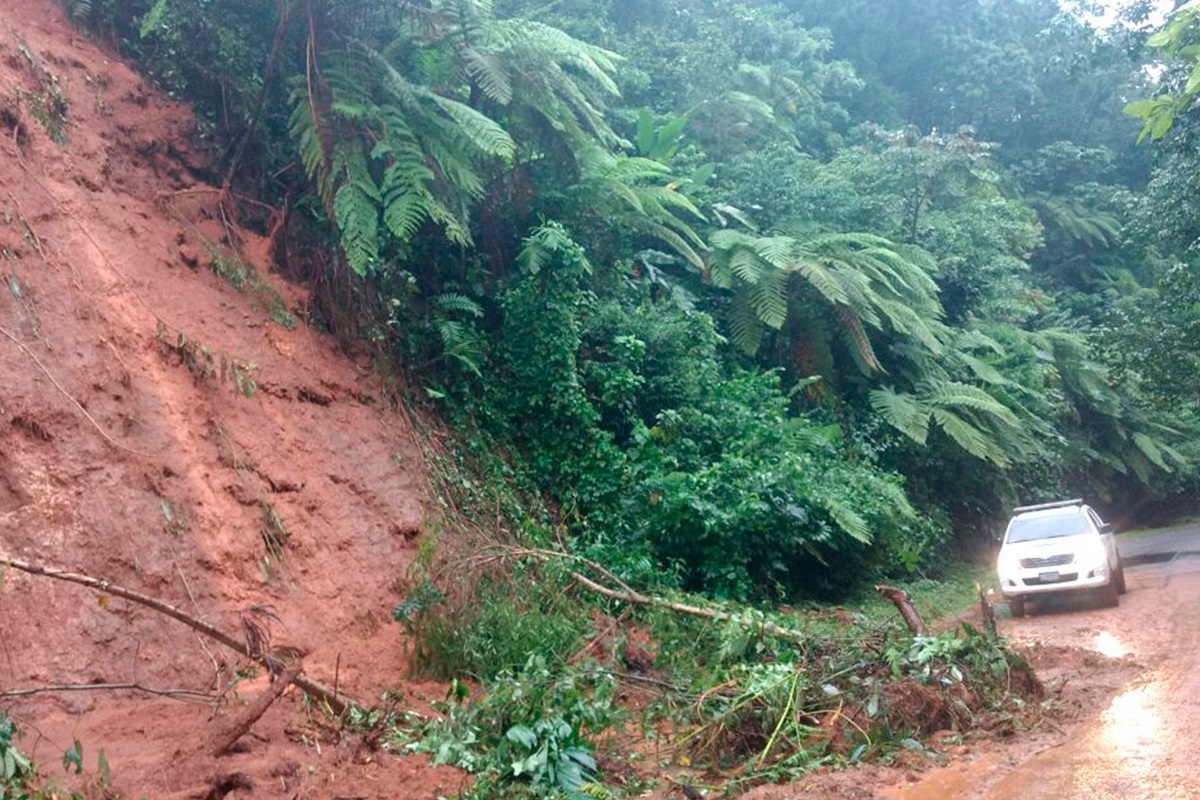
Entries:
{"x":899,"y":597}
{"x":986,"y":611}
{"x":227,"y":738}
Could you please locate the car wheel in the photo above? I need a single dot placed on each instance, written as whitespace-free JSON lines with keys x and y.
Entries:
{"x":1016,"y":606}
{"x":1120,"y":579}
{"x":1109,"y":595}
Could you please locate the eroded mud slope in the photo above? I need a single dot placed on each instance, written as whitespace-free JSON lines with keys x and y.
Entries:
{"x":123,"y":457}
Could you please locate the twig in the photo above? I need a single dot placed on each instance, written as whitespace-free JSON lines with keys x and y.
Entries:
{"x":629,"y":676}
{"x":285,"y":18}
{"x":187,"y":695}
{"x":336,"y":703}
{"x":626,"y":594}
{"x":68,"y":395}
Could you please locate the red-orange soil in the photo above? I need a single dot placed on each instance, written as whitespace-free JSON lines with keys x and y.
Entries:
{"x":101,"y":238}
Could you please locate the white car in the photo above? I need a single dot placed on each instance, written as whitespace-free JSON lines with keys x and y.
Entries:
{"x":1058,"y":547}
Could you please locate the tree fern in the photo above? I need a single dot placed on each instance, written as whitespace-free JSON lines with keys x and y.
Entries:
{"x":973,"y":419}
{"x":864,"y":281}
{"x":632,"y":194}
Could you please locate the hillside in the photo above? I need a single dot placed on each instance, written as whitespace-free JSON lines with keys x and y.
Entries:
{"x":537,"y":377}
{"x":121,"y":457}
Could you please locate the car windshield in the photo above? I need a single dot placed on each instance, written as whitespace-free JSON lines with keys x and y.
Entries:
{"x":1028,"y":529}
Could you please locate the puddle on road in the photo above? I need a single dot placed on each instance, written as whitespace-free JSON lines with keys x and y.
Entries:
{"x":1108,"y":645}
{"x":1115,"y":756}
{"x":1132,"y":730}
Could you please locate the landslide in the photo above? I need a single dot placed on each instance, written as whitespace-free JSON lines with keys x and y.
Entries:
{"x":129,"y":450}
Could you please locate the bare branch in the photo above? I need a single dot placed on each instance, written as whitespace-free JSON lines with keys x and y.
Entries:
{"x":337,"y":704}
{"x":186,"y":695}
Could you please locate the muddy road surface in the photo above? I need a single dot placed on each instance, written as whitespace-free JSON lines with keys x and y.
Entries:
{"x":1144,"y":741}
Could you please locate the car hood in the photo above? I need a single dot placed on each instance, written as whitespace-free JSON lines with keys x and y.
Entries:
{"x":1045,"y":547}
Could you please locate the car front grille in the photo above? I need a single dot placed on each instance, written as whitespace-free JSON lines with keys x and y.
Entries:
{"x":1060,"y":578}
{"x":1048,"y":561}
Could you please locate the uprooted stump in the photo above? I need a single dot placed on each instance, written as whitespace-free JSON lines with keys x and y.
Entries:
{"x":899,"y":597}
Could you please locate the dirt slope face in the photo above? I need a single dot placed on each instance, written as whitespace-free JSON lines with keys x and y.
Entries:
{"x":305,"y":496}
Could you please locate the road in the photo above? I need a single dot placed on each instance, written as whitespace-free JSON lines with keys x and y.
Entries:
{"x":1145,"y":742}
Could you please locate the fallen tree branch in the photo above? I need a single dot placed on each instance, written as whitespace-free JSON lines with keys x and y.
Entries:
{"x":638,"y":599}
{"x":899,"y":597}
{"x":227,"y":738}
{"x":627,"y":594}
{"x":337,"y":704}
{"x":186,"y":695}
{"x":646,"y":679}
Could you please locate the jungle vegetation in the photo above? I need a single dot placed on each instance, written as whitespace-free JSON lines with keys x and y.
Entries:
{"x":754,"y":299}
{"x":729,"y":306}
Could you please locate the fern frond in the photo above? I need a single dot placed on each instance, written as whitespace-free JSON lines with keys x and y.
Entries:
{"x":968,"y":436}
{"x":983,"y":370}
{"x":1152,"y":450}
{"x":858,"y":341}
{"x":847,"y":518}
{"x":768,"y":299}
{"x":490,"y":74}
{"x":677,"y":242}
{"x":751,"y":106}
{"x":952,"y":394}
{"x":904,"y":412}
{"x":452,"y":301}
{"x":358,"y":220}
{"x":744,"y":326}
{"x":746,"y":265}
{"x":832,"y":289}
{"x":775,"y":250}
{"x":482,"y":131}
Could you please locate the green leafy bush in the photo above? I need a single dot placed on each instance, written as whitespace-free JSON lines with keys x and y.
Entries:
{"x":533,"y":729}
{"x":16,"y":770}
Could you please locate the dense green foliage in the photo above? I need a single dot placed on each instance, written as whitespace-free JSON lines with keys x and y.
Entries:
{"x":761,"y":292}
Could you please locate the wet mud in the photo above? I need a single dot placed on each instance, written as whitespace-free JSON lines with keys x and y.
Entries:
{"x":1141,"y":742}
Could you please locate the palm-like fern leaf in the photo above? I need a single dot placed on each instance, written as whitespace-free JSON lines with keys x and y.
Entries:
{"x":904,"y":412}
{"x":862,"y":279}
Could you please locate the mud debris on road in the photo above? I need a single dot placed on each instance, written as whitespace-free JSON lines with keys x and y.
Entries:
{"x":1133,"y":675}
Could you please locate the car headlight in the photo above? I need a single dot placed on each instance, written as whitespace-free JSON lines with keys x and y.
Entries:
{"x":1095,"y":555}
{"x":1007,"y":564}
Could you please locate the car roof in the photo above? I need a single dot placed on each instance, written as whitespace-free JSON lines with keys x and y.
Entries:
{"x":1061,"y":511}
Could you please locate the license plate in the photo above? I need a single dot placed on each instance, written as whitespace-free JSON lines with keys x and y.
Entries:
{"x":1048,"y":577}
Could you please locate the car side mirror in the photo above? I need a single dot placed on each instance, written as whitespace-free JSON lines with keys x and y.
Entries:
{"x":1107,"y":527}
